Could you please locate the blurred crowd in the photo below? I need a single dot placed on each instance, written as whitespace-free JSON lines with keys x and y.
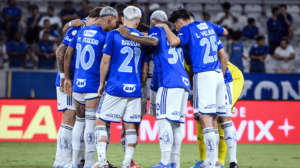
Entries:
{"x":34,"y":48}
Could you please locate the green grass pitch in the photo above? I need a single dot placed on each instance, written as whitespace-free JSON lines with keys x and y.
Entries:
{"x":38,"y":155}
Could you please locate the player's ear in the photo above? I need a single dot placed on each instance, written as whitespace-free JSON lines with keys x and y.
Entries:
{"x":109,"y":20}
{"x":123,"y":20}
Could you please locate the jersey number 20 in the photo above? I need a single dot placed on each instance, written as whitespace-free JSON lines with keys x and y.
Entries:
{"x":80,"y":56}
{"x":124,"y":66}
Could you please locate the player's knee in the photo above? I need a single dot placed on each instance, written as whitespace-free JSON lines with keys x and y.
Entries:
{"x":224,"y":119}
{"x":103,"y":139}
{"x":131,"y":145}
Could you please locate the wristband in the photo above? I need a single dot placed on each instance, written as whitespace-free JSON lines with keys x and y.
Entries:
{"x":70,"y":23}
{"x":62,"y":75}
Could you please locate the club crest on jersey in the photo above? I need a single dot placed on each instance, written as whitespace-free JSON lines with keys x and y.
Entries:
{"x":89,"y":33}
{"x":202,"y":26}
{"x":129,"y":88}
{"x":90,"y":137}
{"x":210,"y":145}
{"x":185,"y":81}
{"x":74,"y":32}
{"x":81,"y":83}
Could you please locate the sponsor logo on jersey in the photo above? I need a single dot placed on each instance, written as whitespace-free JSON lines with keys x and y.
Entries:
{"x":228,"y":138}
{"x":68,"y":39}
{"x":113,"y":116}
{"x":135,"y":117}
{"x":89,"y":33}
{"x":176,"y":113}
{"x":210,"y":145}
{"x":185,"y":81}
{"x":74,"y":32}
{"x":81,"y":83}
{"x":90,"y":137}
{"x":129,"y":88}
{"x":105,"y":46}
{"x":222,"y":107}
{"x":180,"y":34}
{"x":153,"y":34}
{"x":202,"y":26}
{"x":210,"y":106}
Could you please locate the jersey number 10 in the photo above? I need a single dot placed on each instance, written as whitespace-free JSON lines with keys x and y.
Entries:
{"x":80,"y":56}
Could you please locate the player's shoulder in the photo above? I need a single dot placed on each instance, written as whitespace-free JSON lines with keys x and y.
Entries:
{"x":113,"y":32}
{"x":135,"y":32}
{"x":73,"y":30}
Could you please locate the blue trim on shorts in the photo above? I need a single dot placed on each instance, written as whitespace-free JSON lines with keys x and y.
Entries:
{"x":173,"y":120}
{"x":132,"y":122}
{"x":79,"y":102}
{"x":221,"y":112}
{"x":62,"y":109}
{"x":91,"y":98}
{"x":108,"y":120}
{"x":207,"y":113}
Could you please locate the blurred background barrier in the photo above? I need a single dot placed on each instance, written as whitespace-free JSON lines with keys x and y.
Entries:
{"x":20,"y":84}
{"x":36,"y":120}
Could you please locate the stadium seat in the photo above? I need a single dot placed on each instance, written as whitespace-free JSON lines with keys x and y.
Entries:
{"x":270,"y":64}
{"x":172,"y":6}
{"x":213,"y":8}
{"x":242,"y":19}
{"x":236,"y":9}
{"x":194,"y":7}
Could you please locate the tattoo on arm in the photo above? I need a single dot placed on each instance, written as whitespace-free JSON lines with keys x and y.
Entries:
{"x":145,"y":73}
{"x":60,"y":52}
{"x":147,"y":41}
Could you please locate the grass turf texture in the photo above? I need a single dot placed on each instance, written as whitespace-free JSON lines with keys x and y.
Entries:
{"x":35,"y":155}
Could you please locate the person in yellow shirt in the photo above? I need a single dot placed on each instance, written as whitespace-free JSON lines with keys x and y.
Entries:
{"x":234,"y":84}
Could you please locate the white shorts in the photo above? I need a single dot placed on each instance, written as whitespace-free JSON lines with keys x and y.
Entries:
{"x":171,"y":104}
{"x":113,"y":109}
{"x":144,"y":101}
{"x":228,"y":87}
{"x":82,"y":97}
{"x":209,"y":93}
{"x":152,"y":104}
{"x":64,"y":101}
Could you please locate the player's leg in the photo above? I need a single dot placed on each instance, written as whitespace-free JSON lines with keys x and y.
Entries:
{"x":222,"y":145}
{"x":123,"y":138}
{"x":61,"y":106}
{"x":110,"y":109}
{"x":78,"y":130}
{"x":92,"y":102}
{"x":132,"y":116}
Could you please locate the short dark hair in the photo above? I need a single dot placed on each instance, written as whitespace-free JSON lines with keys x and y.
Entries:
{"x":283,"y":5}
{"x":179,"y":13}
{"x":251,"y":20}
{"x":260,"y":37}
{"x":226,"y":5}
{"x":46,"y":32}
{"x":95,"y":12}
{"x":236,"y":35}
{"x":206,"y":14}
{"x":46,"y":20}
{"x":112,"y":4}
{"x":286,"y":40}
{"x":274,"y":9}
{"x":51,"y":8}
{"x":33,"y":7}
{"x":119,"y":8}
{"x":191,"y":14}
{"x":143,"y":27}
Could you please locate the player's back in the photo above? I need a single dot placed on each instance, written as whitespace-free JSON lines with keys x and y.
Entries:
{"x":89,"y":43}
{"x":202,"y":45}
{"x":124,"y":79}
{"x":169,"y":60}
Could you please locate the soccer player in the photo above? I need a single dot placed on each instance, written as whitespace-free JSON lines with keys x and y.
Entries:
{"x":65,"y":103}
{"x":200,"y":39}
{"x":122,"y":96}
{"x":172,"y":95}
{"x":88,"y":44}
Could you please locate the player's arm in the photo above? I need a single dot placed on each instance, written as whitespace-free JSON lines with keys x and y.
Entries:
{"x":103,"y":72}
{"x":145,"y":71}
{"x":74,"y":23}
{"x":173,"y":40}
{"x":223,"y":60}
{"x":60,"y":52}
{"x":147,"y":41}
{"x":67,"y":64}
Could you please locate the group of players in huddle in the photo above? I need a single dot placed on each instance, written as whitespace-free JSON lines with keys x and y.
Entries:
{"x":191,"y":62}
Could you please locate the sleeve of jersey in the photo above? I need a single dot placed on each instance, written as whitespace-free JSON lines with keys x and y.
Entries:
{"x":218,"y":29}
{"x":73,"y":42}
{"x":108,"y":46}
{"x":184,"y":35}
{"x":69,"y":36}
{"x":154,"y":32}
{"x":147,"y":55}
{"x":220,"y":45}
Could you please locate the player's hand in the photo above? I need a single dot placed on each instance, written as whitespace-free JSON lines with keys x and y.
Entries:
{"x":68,"y":87}
{"x":124,"y":31}
{"x":62,"y":82}
{"x":261,"y":59}
{"x":100,"y":90}
{"x":77,"y":23}
{"x":286,"y":59}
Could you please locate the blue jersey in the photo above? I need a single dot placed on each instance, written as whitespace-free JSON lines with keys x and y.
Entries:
{"x":45,"y":63}
{"x":72,"y":31}
{"x":200,"y":39}
{"x":171,"y":61}
{"x":13,"y":12}
{"x":88,"y":42}
{"x":124,"y":79}
{"x":154,"y":85}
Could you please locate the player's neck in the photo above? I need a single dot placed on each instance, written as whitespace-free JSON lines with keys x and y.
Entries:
{"x":186,"y":22}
